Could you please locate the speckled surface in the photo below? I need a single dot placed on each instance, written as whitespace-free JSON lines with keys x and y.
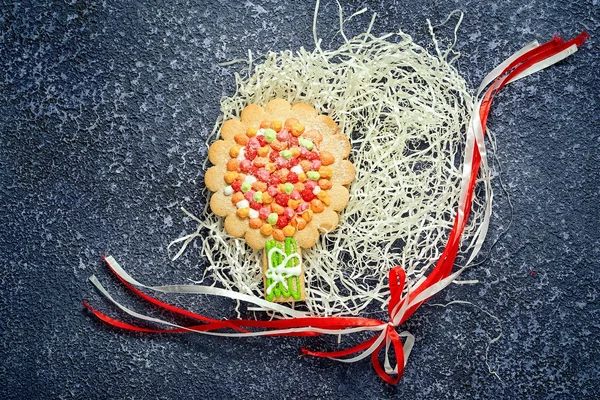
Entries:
{"x":105,"y":109}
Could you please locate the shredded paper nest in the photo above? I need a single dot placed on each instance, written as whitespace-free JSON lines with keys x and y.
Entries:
{"x":405,"y":111}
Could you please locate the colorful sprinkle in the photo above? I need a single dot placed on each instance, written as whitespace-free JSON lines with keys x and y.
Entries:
{"x":324,"y":197}
{"x":301,"y":224}
{"x":270,"y":135}
{"x":264,"y":212}
{"x":266,"y":229}
{"x":288,"y":188}
{"x":230,"y":176}
{"x":287,"y":154}
{"x":252,"y":131}
{"x":326,"y":158}
{"x":326,"y":172}
{"x":289,"y":231}
{"x":272,"y":218}
{"x":234,"y":151}
{"x":254,"y":222}
{"x":276,"y":125}
{"x":307,"y":194}
{"x":243,"y":204}
{"x":243,"y":212}
{"x":325,"y":184}
{"x":249,"y":195}
{"x":308,"y":144}
{"x":282,"y":221}
{"x":313,"y":175}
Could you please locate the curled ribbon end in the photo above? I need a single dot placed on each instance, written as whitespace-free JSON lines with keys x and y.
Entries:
{"x":583,"y":36}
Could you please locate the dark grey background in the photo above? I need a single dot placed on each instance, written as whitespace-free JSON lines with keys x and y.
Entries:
{"x":105,"y":109}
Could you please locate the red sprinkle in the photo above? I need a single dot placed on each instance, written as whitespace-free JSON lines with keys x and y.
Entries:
{"x":255,"y":205}
{"x":245,"y":165}
{"x":250,"y":153}
{"x":274,"y":155}
{"x":312,"y":155}
{"x":261,"y":140}
{"x":253,"y":143}
{"x":292,"y":177}
{"x":281,"y":163}
{"x":264,"y":212}
{"x":282,"y":221}
{"x":303,"y":152}
{"x":282,"y":199}
{"x":289,"y":213}
{"x":236,"y":185}
{"x":307,"y":195}
{"x":263,"y":175}
{"x":274,"y":180}
{"x":283,"y":135}
{"x":310,"y":185}
{"x":249,"y":195}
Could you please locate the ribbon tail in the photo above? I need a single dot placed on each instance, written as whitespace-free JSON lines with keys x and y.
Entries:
{"x":342,"y":353}
{"x":401,"y":358}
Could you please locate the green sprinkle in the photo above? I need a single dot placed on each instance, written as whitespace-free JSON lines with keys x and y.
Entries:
{"x":288,"y":188}
{"x":258,"y":197}
{"x":306,"y":143}
{"x":272,"y":218}
{"x":286,"y":154}
{"x":312,"y":175}
{"x":246,"y":186}
{"x":270,"y":135}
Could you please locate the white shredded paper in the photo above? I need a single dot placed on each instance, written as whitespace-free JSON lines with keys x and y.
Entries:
{"x":406,"y":112}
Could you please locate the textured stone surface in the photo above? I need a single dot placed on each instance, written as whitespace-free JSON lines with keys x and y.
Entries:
{"x":105,"y":110}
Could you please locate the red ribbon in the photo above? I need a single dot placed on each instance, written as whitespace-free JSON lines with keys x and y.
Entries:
{"x":397,"y":308}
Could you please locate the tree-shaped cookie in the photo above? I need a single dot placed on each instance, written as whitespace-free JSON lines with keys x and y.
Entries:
{"x":280,"y":177}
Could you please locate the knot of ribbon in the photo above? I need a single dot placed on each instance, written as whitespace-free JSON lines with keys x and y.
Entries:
{"x":388,"y":337}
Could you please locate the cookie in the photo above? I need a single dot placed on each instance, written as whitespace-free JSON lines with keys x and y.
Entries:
{"x":279,"y":172}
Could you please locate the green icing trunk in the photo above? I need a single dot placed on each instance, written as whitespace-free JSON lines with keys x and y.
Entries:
{"x":294,"y":289}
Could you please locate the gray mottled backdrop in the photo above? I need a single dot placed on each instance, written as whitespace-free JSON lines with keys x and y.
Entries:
{"x":105,"y":108}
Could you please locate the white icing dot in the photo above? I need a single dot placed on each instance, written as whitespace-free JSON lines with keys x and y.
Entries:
{"x":228,"y":191}
{"x":297,"y":169}
{"x":261,"y":132}
{"x":242,"y":155}
{"x":316,"y":190}
{"x":243,"y":204}
{"x":253,"y":213}
{"x":250,"y":179}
